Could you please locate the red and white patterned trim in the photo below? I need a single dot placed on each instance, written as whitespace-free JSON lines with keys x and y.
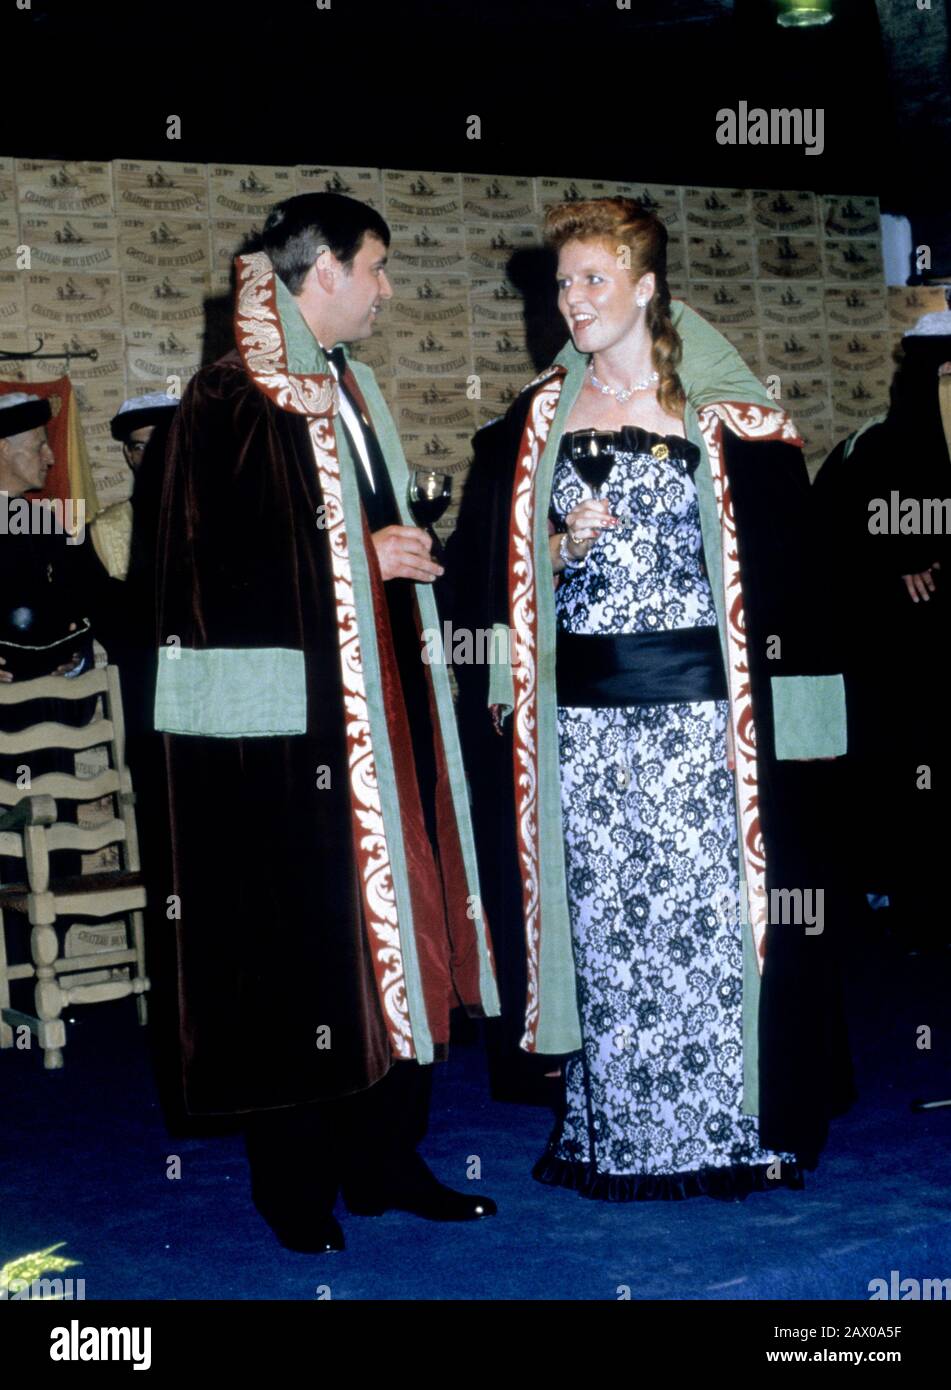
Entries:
{"x":524,"y":611}
{"x":542,"y":377}
{"x":369,"y":833}
{"x":749,"y":422}
{"x":261,"y":344}
{"x":756,"y":421}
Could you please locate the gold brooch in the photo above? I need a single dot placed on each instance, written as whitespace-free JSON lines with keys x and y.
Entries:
{"x":660,"y":451}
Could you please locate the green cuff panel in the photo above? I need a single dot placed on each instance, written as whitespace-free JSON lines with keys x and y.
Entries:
{"x":251,"y":692}
{"x":501,"y":682}
{"x":809,"y":716}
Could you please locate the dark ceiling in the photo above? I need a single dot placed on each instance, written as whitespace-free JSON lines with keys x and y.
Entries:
{"x":564,"y":87}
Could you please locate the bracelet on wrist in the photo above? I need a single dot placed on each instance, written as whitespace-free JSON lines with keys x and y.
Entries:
{"x":570,"y":562}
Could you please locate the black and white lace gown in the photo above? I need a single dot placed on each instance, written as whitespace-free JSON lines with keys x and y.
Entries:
{"x":654,"y":1098}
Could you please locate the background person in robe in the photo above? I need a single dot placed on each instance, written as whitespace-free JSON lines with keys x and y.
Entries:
{"x":689,"y":1072}
{"x":141,"y":425}
{"x":49,"y":589}
{"x":38,"y":605}
{"x":323,"y":857}
{"x":134,"y":423}
{"x":894,"y":628}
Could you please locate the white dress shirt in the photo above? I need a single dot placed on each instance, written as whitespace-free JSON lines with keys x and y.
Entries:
{"x":354,"y":428}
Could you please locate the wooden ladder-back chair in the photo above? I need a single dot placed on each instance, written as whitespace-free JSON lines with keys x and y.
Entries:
{"x":32,"y":829}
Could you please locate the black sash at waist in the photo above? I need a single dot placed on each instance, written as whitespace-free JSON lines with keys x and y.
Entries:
{"x":640,"y":668}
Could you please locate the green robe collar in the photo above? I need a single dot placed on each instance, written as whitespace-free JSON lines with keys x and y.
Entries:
{"x":711,"y":370}
{"x":305,"y":355}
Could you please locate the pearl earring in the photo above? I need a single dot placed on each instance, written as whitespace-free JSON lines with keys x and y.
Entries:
{"x":641,"y":303}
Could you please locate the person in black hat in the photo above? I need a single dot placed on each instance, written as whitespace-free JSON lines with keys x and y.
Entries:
{"x":40,"y":603}
{"x":135,"y":422}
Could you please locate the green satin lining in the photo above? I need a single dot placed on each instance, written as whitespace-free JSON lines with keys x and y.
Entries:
{"x":219,"y":692}
{"x":809,"y":716}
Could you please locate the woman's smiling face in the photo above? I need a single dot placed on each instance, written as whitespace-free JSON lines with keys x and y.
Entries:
{"x":597,"y":296}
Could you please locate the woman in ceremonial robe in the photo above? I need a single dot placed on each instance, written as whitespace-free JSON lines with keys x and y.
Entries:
{"x":665,"y":661}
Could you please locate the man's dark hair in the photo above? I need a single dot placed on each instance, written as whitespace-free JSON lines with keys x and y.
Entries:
{"x":296,"y":229}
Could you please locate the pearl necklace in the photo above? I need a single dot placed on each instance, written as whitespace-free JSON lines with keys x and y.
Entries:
{"x":622,"y":393}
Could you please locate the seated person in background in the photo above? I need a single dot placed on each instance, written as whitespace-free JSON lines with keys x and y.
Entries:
{"x":51,"y":585}
{"x":42,"y":569}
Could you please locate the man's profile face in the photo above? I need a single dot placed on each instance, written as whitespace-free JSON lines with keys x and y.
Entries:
{"x":359,"y":295}
{"x":134,"y":446}
{"x":27,"y":459}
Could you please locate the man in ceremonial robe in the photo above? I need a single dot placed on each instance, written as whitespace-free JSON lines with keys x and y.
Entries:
{"x":324,"y":885}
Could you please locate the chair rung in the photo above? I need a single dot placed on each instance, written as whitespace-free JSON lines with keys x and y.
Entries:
{"x":85,"y":838}
{"x":63,"y":835}
{"x":76,"y":891}
{"x":97,"y":960}
{"x":64,"y":786}
{"x":20,"y":972}
{"x":92,"y":682}
{"x":103,"y":991}
{"x":104,"y":903}
{"x":50,"y":735}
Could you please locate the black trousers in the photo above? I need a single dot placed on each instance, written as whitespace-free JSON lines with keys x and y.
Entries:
{"x":302,"y":1155}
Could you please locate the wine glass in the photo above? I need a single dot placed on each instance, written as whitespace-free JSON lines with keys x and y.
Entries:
{"x":429,"y":493}
{"x":592,"y":454}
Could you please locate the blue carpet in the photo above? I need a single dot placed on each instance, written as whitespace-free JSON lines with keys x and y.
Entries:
{"x":86,"y":1154}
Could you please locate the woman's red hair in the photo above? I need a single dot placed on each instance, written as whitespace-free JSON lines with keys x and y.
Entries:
{"x":623,"y":222}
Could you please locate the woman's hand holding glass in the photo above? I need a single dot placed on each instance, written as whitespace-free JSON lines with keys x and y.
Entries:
{"x":586,"y":523}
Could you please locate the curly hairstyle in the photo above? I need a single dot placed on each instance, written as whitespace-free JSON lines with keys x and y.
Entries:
{"x":623,"y":222}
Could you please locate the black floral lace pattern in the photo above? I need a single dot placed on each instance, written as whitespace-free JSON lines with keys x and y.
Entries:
{"x":654,"y":1098}
{"x":646,"y":574}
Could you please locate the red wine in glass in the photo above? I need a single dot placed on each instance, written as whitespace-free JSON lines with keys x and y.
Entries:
{"x":429,"y":495}
{"x":592,"y":455}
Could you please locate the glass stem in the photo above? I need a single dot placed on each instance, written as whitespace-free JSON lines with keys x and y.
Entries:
{"x":437,"y":553}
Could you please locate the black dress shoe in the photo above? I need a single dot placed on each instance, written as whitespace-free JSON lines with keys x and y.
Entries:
{"x":318,"y":1236}
{"x":434,"y":1202}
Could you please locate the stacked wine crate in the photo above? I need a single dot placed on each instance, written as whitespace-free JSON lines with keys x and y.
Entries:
{"x":131,"y":259}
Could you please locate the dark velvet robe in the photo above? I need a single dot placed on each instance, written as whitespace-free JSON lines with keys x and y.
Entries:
{"x":278,"y":998}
